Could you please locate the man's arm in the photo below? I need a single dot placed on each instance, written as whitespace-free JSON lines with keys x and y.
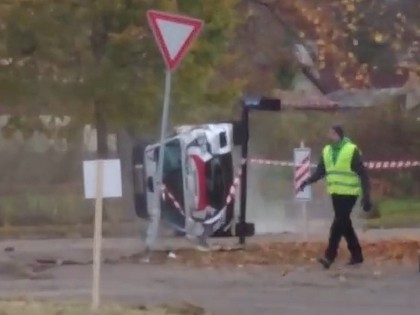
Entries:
{"x":318,"y":174}
{"x":359,"y":168}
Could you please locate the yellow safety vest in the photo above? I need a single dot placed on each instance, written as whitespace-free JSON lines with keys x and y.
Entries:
{"x":341,"y":180}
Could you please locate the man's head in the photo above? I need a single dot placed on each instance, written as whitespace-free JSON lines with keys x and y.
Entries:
{"x":336,"y":133}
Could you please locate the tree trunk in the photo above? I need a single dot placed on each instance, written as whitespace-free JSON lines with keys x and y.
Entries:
{"x":101,"y":133}
{"x":98,"y":42}
{"x":101,"y":142}
{"x":125,"y":150}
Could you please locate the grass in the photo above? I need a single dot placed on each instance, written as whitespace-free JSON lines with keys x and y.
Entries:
{"x":396,"y":213}
{"x":38,"y":308}
{"x":63,"y":215}
{"x":29,"y":209}
{"x":65,"y":231}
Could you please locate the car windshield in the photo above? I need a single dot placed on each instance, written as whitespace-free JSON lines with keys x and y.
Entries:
{"x":172,"y":177}
{"x":172,"y":160}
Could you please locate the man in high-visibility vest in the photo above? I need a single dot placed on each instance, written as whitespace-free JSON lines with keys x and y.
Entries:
{"x":342,"y":166}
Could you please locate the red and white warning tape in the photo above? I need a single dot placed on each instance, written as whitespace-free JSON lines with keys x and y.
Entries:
{"x":236,"y":182}
{"x":175,"y":203}
{"x":273,"y":162}
{"x":232,"y":191}
{"x":370,"y":165}
{"x":303,"y":167}
{"x":391,"y":164}
{"x":229,"y":198}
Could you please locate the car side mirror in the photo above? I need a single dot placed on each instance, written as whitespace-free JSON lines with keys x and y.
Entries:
{"x":150,"y":184}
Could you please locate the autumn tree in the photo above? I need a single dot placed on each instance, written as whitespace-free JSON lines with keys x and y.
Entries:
{"x":97,"y":61}
{"x":359,"y":41}
{"x":355,"y":44}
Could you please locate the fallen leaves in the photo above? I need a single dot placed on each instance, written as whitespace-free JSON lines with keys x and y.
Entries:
{"x":291,"y":253}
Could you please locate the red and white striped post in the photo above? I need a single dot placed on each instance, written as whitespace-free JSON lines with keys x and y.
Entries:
{"x":302,"y":167}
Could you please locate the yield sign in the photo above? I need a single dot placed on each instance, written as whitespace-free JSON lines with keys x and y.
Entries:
{"x":173,"y":34}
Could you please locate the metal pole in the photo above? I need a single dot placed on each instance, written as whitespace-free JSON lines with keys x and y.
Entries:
{"x":97,"y":237}
{"x":305,"y":220}
{"x":304,"y":209}
{"x":244,"y":176}
{"x":153,"y":227}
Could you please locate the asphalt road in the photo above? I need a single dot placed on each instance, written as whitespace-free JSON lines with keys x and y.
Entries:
{"x":271,"y":290}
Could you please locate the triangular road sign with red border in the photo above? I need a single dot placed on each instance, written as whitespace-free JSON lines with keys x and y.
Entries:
{"x":174,"y":34}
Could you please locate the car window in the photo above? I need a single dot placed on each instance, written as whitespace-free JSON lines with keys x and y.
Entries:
{"x":173,"y":159}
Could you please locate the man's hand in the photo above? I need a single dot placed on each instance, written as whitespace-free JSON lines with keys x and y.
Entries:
{"x":303,"y":185}
{"x":366,"y":204}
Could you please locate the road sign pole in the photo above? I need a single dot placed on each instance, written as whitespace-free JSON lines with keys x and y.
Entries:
{"x":304,"y":206}
{"x":302,"y":158}
{"x":97,"y":238}
{"x":305,"y":220}
{"x":101,"y":179}
{"x":153,"y":227}
{"x":174,"y":35}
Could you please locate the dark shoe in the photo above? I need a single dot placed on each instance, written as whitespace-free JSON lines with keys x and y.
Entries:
{"x":355,"y":262}
{"x":326,"y":263}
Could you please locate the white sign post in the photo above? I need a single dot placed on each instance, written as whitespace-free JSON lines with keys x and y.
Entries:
{"x":174,"y":35}
{"x":302,"y":162}
{"x":102,"y":179}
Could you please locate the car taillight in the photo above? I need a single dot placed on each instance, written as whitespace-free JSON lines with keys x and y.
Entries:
{"x":201,"y":197}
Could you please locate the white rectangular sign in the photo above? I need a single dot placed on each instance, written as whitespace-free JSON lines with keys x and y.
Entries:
{"x":302,"y":171}
{"x":111,"y":184}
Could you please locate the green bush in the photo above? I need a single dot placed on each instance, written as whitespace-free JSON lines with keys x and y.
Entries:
{"x":44,"y":209}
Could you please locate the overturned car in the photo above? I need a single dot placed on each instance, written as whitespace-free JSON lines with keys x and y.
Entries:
{"x":198,"y":176}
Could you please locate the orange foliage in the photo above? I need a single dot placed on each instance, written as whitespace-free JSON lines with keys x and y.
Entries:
{"x":290,"y":253}
{"x":333,"y":24}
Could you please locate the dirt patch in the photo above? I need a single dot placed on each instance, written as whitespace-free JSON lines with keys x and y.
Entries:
{"x":268,"y":277}
{"x":30,"y":263}
{"x":32,"y":308}
{"x":290,"y":253}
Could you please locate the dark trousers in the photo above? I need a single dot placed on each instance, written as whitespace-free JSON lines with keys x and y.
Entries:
{"x":342,"y":226}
